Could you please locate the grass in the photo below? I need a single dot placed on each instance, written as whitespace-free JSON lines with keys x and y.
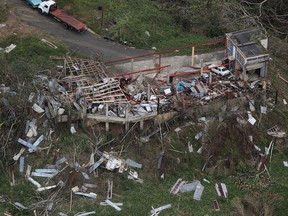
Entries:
{"x":29,"y":57}
{"x":140,"y":22}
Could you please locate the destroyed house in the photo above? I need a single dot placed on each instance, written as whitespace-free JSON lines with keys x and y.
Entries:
{"x":87,"y":86}
{"x":247,"y":51}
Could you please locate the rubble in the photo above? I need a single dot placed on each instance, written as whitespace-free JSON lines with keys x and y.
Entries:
{"x":112,"y":204}
{"x":176,"y":187}
{"x":156,"y":211}
{"x":83,"y":92}
{"x":198,"y":192}
{"x":9,"y":48}
{"x":221,"y":190}
{"x":89,"y":195}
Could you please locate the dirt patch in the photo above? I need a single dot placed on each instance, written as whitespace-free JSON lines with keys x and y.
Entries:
{"x":15,"y":26}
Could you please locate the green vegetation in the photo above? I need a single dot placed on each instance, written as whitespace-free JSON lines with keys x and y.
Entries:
{"x":29,"y":57}
{"x":140,"y":22}
{"x":3,"y":12}
{"x":249,"y":192}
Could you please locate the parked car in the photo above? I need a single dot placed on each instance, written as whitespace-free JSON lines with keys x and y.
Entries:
{"x":222,"y":71}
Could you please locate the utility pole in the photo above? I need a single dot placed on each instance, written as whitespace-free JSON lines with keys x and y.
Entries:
{"x":100,"y":8}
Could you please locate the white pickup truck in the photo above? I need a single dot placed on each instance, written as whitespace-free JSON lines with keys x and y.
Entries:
{"x":222,"y":71}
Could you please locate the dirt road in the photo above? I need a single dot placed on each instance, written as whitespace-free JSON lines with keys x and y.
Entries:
{"x":85,"y":43}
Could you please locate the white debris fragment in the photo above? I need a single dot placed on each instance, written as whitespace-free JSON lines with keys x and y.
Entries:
{"x":285,"y":163}
{"x":90,"y":195}
{"x":28,"y":171}
{"x":46,"y":188}
{"x":85,"y":213}
{"x":16,"y":157}
{"x":167,"y":91}
{"x":276,"y":131}
{"x":75,"y":189}
{"x":44,"y":175}
{"x":206,"y":181}
{"x":156,"y":211}
{"x":257,"y":148}
{"x":221,"y":190}
{"x":10,"y":48}
{"x":199,"y":151}
{"x":21,"y":165}
{"x":189,"y":187}
{"x":190,"y":147}
{"x":61,"y":111}
{"x":61,"y":160}
{"x":251,"y":105}
{"x":96,"y":165}
{"x":72,"y":129}
{"x":36,"y":143}
{"x":133,"y":164}
{"x":113,"y":205}
{"x":20,"y":205}
{"x":46,"y":170}
{"x":27,"y":144}
{"x":134,"y":176}
{"x":176,"y":187}
{"x":90,"y":185}
{"x":177,"y":129}
{"x":251,"y":119}
{"x":37,"y":184}
{"x":37,"y":108}
{"x":49,"y":43}
{"x":106,"y":204}
{"x":284,"y":102}
{"x":198,"y":135}
{"x":198,"y":192}
{"x":263,"y":109}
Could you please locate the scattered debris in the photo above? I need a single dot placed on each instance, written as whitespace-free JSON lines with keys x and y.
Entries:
{"x":285,"y":163}
{"x":134,"y":176}
{"x":189,"y":186}
{"x":176,"y":187}
{"x":156,"y":211}
{"x":216,"y":205}
{"x":49,"y":43}
{"x":10,"y":48}
{"x":276,"y":131}
{"x":190,"y":147}
{"x":198,"y":192}
{"x":89,"y":195}
{"x":21,"y":165}
{"x":20,"y":205}
{"x":112,"y":204}
{"x":221,"y":190}
{"x":133,"y":164}
{"x":110,"y":189}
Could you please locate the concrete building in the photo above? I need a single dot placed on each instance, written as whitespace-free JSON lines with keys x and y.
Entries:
{"x":247,"y":52}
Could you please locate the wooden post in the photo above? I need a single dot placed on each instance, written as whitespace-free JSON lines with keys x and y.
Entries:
{"x":141,"y":125}
{"x":210,"y":77}
{"x":201,"y":71}
{"x":126,"y":118}
{"x":132,"y":65}
{"x":148,"y":92}
{"x":159,"y":63}
{"x":107,"y":123}
{"x":192,"y":58}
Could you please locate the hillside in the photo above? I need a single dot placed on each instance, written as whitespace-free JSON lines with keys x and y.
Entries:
{"x":224,"y":149}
